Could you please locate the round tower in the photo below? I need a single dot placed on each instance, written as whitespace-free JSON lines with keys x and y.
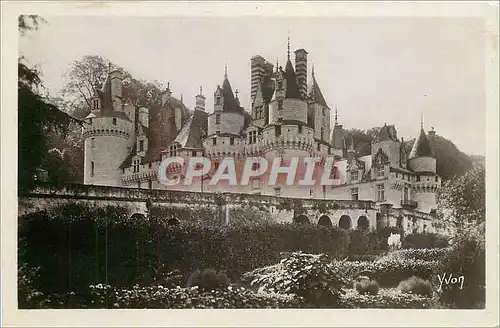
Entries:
{"x":426,"y":182}
{"x":109,"y":135}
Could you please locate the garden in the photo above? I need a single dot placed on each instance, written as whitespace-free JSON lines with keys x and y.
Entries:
{"x":82,"y":257}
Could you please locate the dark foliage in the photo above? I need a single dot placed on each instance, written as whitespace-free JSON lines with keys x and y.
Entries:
{"x":366,"y":286}
{"x":417,"y":286}
{"x":466,"y":258}
{"x":208,"y":279}
{"x":425,"y":241}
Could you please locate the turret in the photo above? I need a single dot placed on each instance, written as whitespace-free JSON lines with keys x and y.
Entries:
{"x":301,"y":67}
{"x":200,"y":101}
{"x":421,"y":157}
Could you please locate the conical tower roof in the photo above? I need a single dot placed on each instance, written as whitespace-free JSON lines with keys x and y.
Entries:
{"x":421,"y":146}
{"x":292,"y":89}
{"x":315,"y":92}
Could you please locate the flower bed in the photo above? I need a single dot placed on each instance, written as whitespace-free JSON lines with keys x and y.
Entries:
{"x":159,"y":297}
{"x":387,"y":298}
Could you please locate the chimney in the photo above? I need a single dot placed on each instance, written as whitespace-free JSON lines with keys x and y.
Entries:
{"x":301,"y":71}
{"x":116,"y":89}
{"x":144,"y":116}
{"x":258,"y":70}
{"x":200,"y":101}
{"x":165,"y":95}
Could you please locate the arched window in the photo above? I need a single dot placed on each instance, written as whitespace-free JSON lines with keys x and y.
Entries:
{"x":301,"y":219}
{"x":363,"y":223}
{"x":325,"y":221}
{"x":345,"y":222}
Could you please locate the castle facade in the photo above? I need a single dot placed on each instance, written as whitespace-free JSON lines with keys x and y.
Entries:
{"x":289,"y":117}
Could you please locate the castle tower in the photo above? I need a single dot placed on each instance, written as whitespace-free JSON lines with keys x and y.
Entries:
{"x":301,"y":68}
{"x":200,"y":101}
{"x":426,"y":181}
{"x":109,"y":134}
{"x":387,"y":141}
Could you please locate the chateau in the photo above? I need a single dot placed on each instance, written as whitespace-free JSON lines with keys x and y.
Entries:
{"x":289,"y":117}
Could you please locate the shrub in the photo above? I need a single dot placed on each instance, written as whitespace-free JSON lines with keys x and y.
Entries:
{"x":466,"y":258}
{"x":312,"y":277}
{"x":208,"y":279}
{"x":388,"y":272}
{"x":425,"y":240}
{"x":366,"y":286}
{"x":417,"y":286}
{"x":385,"y":299}
{"x":158,"y":296}
{"x":434,"y":254}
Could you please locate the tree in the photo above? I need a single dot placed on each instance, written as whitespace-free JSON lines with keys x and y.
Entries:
{"x":461,"y":201}
{"x":37,"y":117}
{"x":87,"y":75}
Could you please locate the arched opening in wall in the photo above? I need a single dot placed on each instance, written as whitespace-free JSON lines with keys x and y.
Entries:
{"x":173,"y":222}
{"x":138,"y":216}
{"x":325,"y":221}
{"x":301,"y":219}
{"x":345,"y":222}
{"x":363,"y":223}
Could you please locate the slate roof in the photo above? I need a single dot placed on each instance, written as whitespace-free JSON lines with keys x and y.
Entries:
{"x":387,"y":132}
{"x":106,"y":101}
{"x":194,"y":131}
{"x":230,"y":102}
{"x":421,"y":146}
{"x":292,"y":90}
{"x":315,"y":93}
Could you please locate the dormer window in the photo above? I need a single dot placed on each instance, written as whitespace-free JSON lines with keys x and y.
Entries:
{"x":280,"y":104}
{"x":300,"y":128}
{"x":277,"y":130}
{"x":114,"y":120}
{"x":95,"y":103}
{"x":173,"y":150}
{"x":354,"y":176}
{"x":280,"y":85}
{"x":214,"y":141}
{"x":217,"y":119}
{"x":136,"y":165}
{"x":380,"y":171}
{"x":141,"y":145}
{"x":217,"y":100}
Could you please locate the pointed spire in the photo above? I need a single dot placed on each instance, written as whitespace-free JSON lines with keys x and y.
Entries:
{"x":201,"y":90}
{"x":225,"y":71}
{"x":422,"y":121}
{"x":312,"y":69}
{"x":181,"y":99}
{"x":277,"y":65}
{"x":336,"y":118}
{"x":288,"y":46}
{"x":109,"y":67}
{"x":168,"y":85}
{"x":236,"y":93}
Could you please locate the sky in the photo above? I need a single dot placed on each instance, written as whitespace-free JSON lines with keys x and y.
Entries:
{"x":375,"y":70}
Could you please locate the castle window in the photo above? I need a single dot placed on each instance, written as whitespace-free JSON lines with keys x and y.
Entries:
{"x":95,"y":103}
{"x":136,"y":165}
{"x":194,"y":153}
{"x":231,"y":141}
{"x":114,"y":120}
{"x":141,"y":145}
{"x":380,"y":171}
{"x":280,"y":85}
{"x":300,"y":128}
{"x":322,"y":133}
{"x":92,"y":142}
{"x":380,"y":192}
{"x":354,"y":194}
{"x":150,"y":165}
{"x":214,"y":141}
{"x":92,"y":168}
{"x":217,"y":132}
{"x":318,"y":147}
{"x":255,"y":183}
{"x":405,"y":193}
{"x":280,"y":104}
{"x":311,"y":192}
{"x":354,"y":176}
{"x":217,"y":118}
{"x":173,"y":150}
{"x":396,"y":174}
{"x":217,"y":100}
{"x":436,"y":179}
{"x":277,"y":191}
{"x":418,"y":178}
{"x":324,"y":112}
{"x":90,"y":121}
{"x":277,"y":130}
{"x":150,"y":184}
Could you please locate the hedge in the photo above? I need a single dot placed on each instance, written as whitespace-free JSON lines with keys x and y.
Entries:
{"x":385,"y":299}
{"x":76,"y":246}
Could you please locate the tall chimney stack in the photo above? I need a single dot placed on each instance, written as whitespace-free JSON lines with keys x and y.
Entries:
{"x":301,"y":71}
